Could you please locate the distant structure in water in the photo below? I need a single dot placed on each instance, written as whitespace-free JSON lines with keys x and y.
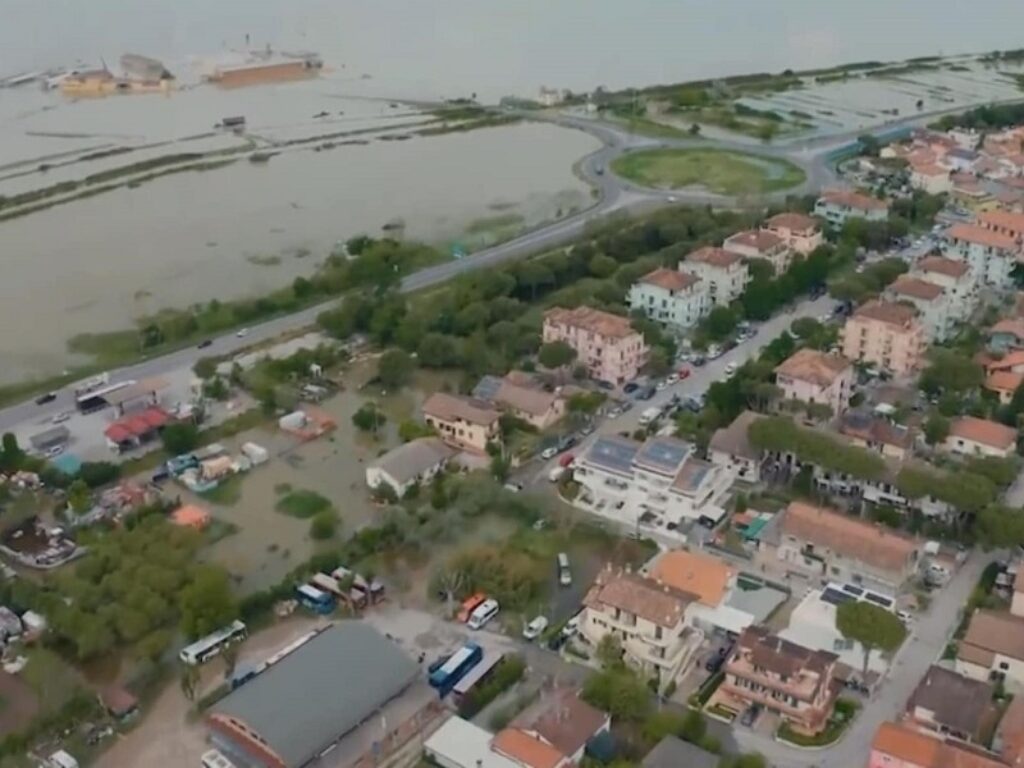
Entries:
{"x":265,"y":66}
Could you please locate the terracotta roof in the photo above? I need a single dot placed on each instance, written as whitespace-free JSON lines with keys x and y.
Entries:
{"x":972,"y":233}
{"x":916,"y":288}
{"x":567,"y":722}
{"x":887,"y":312}
{"x":782,"y":657}
{"x":851,"y":199}
{"x":994,"y":632}
{"x":873,"y":429}
{"x":1007,"y":361}
{"x":536,"y":402}
{"x":190,"y":516}
{"x":943,"y":266}
{"x":670,"y":279}
{"x":1004,"y":381}
{"x":1014,"y":222}
{"x":757,"y":239}
{"x":959,"y":703}
{"x":1013,"y":325}
{"x":907,"y":744}
{"x":715,"y":257}
{"x":1010,"y":732}
{"x":525,"y":749}
{"x":446,"y":407}
{"x":849,"y":536}
{"x":929,"y":169}
{"x":645,"y":597}
{"x":794,"y":222}
{"x":819,"y":368}
{"x":592,"y":320}
{"x":990,"y":433}
{"x":1018,"y":581}
{"x":702,"y":575}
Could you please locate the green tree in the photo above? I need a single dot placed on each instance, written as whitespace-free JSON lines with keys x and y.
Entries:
{"x":205,"y":367}
{"x":694,"y":727}
{"x":658,"y":362}
{"x":323,"y":525}
{"x":936,"y":429}
{"x":395,"y":368}
{"x":11,"y":455}
{"x":206,"y":603}
{"x":437,"y":350}
{"x":609,"y":652}
{"x":555,"y":354}
{"x":950,"y":371}
{"x":998,"y":527}
{"x":180,"y":438}
{"x":368,"y":418}
{"x":410,"y":430}
{"x":79,"y":497}
{"x":872,"y":626}
{"x":619,"y":692}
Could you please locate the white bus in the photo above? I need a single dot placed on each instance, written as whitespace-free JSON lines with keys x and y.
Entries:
{"x":483,"y":613}
{"x":207,"y":647}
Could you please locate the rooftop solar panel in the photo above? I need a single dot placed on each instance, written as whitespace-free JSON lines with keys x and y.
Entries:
{"x":613,"y":453}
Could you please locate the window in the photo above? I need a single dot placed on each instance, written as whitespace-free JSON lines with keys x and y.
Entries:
{"x":1004,"y":666}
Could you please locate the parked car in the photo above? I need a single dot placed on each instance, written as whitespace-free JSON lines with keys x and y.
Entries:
{"x":241,"y":333}
{"x":645,"y":394}
{"x":566,"y":460}
{"x":673,"y":378}
{"x":205,"y":343}
{"x":715,"y":352}
{"x":49,"y":397}
{"x":572,"y":626}
{"x":683,"y":373}
{"x":615,"y":412}
{"x":698,"y":361}
{"x":661,"y":385}
{"x":630,"y":387}
{"x":566,"y":443}
{"x":587,"y":429}
{"x":61,"y":417}
{"x":730,"y":370}
{"x":53,"y":450}
{"x":750,"y":716}
{"x":564,"y":573}
{"x":514,"y":487}
{"x":535,"y":628}
{"x":549,"y":452}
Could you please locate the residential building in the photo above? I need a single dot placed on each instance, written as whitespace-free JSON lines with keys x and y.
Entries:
{"x":564,"y":721}
{"x":1007,"y":335}
{"x":1004,"y":384}
{"x":960,"y":160}
{"x":901,"y":745}
{"x":884,"y":334}
{"x":673,"y":752}
{"x":459,"y":743}
{"x":605,"y":344}
{"x":837,"y":547}
{"x":1008,"y":740}
{"x":877,"y":433}
{"x":760,"y":244}
{"x":711,"y":581}
{"x":993,"y":648}
{"x":649,"y":619}
{"x":816,"y":377}
{"x":956,"y":278}
{"x":837,"y":206}
{"x":1017,"y":602}
{"x":950,"y":704}
{"x":523,"y":398}
{"x":968,"y":192}
{"x":930,"y":302}
{"x":412,"y":463}
{"x":671,"y":297}
{"x":463,"y":422}
{"x":730,"y":449}
{"x":801,"y":233}
{"x":794,"y":682}
{"x":990,"y":254}
{"x":1006,"y":223}
{"x":971,"y":436}
{"x":725,"y":273}
{"x":656,"y":482}
{"x":931,"y":178}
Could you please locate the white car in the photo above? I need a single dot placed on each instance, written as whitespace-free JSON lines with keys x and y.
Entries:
{"x":514,"y":487}
{"x":730,"y":370}
{"x":53,"y":451}
{"x":535,"y":628}
{"x":572,"y":626}
{"x":661,"y":385}
{"x":242,"y":333}
{"x":61,"y":417}
{"x":550,"y":452}
{"x":673,"y":378}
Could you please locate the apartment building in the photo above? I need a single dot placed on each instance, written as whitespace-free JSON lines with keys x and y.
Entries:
{"x":658,"y":481}
{"x":800,"y":232}
{"x":671,"y":297}
{"x":760,"y":244}
{"x":711,"y":581}
{"x":954,"y":277}
{"x":971,"y":436}
{"x":933,"y":308}
{"x":794,"y":682}
{"x":605,"y":344}
{"x":990,"y":254}
{"x":837,"y":206}
{"x":724,"y":273}
{"x":731,"y":449}
{"x":885,"y":334}
{"x":463,"y":422}
{"x":828,"y":544}
{"x":993,"y":649}
{"x":816,"y":377}
{"x":1007,"y":223}
{"x":648,"y":618}
{"x":931,"y":178}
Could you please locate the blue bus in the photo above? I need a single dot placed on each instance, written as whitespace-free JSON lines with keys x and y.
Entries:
{"x":314,"y":599}
{"x":445,"y":677}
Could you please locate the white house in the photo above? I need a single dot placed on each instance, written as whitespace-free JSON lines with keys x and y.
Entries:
{"x":672,"y":297}
{"x":812,"y":376}
{"x":956,"y":278}
{"x":725,"y":273}
{"x":991,"y":255}
{"x":971,"y":436}
{"x":933,"y":307}
{"x":730,"y":448}
{"x":414,"y":462}
{"x":836,"y":206}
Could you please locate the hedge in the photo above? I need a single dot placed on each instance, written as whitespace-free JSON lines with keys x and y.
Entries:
{"x":505,"y":674}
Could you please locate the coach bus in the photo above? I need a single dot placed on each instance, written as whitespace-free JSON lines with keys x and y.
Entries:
{"x":207,"y":647}
{"x":315,"y":600}
{"x":448,"y":674}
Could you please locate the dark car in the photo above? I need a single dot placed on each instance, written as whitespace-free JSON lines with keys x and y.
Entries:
{"x":557,"y":641}
{"x":205,"y":343}
{"x":605,"y":385}
{"x":698,"y":361}
{"x":566,"y":443}
{"x":750,"y":716}
{"x":646,"y":394}
{"x":714,"y":663}
{"x":49,"y":397}
{"x":630,"y":388}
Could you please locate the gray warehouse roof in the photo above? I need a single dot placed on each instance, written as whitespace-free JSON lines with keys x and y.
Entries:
{"x":321,"y":691}
{"x":409,"y":460}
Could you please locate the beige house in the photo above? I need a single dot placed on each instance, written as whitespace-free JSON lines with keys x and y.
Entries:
{"x":875,"y":433}
{"x":885,"y":334}
{"x":931,"y":178}
{"x":837,"y":206}
{"x":605,"y":344}
{"x":724,"y":273}
{"x":971,"y":436}
{"x":993,"y":648}
{"x":794,"y":682}
{"x":816,"y":377}
{"x":463,"y":422}
{"x":930,"y":300}
{"x":730,"y":448}
{"x":956,"y":279}
{"x":760,"y":244}
{"x":519,"y":396}
{"x":647,"y":616}
{"x":800,"y":232}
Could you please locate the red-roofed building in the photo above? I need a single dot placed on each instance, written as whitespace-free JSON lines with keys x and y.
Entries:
{"x":800,"y":232}
{"x":139,"y":428}
{"x":725,"y":273}
{"x":931,"y":178}
{"x":671,"y":296}
{"x":990,"y":254}
{"x":760,"y":244}
{"x":836,"y":206}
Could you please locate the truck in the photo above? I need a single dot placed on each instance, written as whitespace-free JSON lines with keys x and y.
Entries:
{"x":649,"y":415}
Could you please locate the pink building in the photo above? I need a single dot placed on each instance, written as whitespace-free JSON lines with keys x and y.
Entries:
{"x":885,"y":334}
{"x":605,"y":343}
{"x":800,"y":232}
{"x":816,"y":377}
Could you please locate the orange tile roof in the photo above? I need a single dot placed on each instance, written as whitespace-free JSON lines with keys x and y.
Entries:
{"x":705,"y":576}
{"x":851,"y":199}
{"x":1006,"y":362}
{"x":944,"y":266}
{"x":643,"y":596}
{"x":1014,"y":222}
{"x":758,"y":239}
{"x":524,"y":748}
{"x":907,"y":744}
{"x":929,"y":169}
{"x":995,"y":632}
{"x":990,"y":433}
{"x":447,"y":407}
{"x":1014,"y":325}
{"x":715,"y":257}
{"x":670,"y":279}
{"x":191,"y":516}
{"x":795,"y":222}
{"x":1004,"y":381}
{"x":1011,"y":731}
{"x":593,"y":320}
{"x":819,"y":368}
{"x":972,"y":233}
{"x":886,"y":312}
{"x":916,"y":288}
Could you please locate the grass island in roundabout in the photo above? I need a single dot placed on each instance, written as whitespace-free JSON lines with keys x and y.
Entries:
{"x":724,"y":172}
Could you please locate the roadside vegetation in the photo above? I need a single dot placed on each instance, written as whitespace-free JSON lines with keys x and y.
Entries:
{"x":720,"y":171}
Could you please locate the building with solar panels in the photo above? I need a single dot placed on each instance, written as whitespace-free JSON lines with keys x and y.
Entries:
{"x":659,"y":483}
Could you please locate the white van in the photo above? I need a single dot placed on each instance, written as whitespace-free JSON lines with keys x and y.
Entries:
{"x":483,"y":613}
{"x":556,"y":474}
{"x":214,"y":759}
{"x":564,"y":574}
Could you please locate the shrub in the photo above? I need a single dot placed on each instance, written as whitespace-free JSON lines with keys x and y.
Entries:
{"x":507,"y":673}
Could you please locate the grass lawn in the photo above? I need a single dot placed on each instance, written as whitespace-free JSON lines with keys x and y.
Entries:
{"x":719,"y":171}
{"x":302,"y":504}
{"x":227,"y":493}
